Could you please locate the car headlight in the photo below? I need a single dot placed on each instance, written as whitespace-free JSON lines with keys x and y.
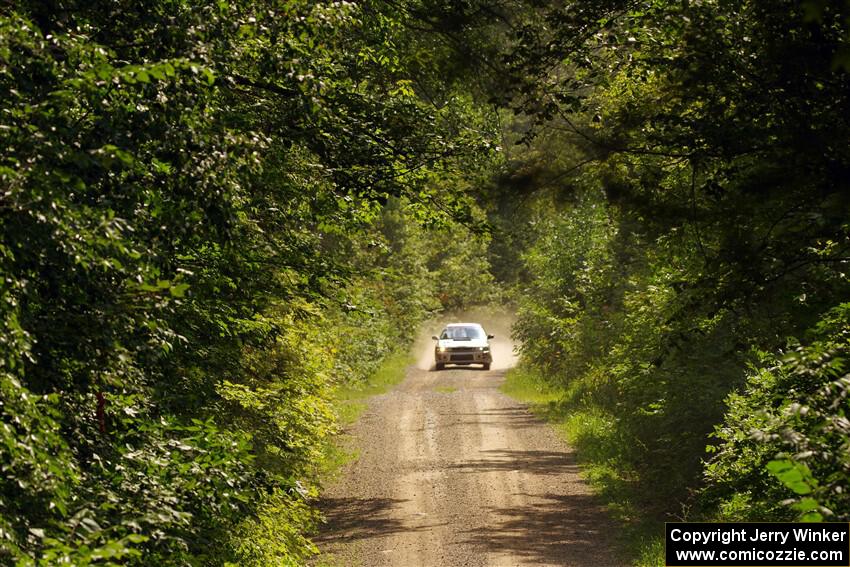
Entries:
{"x":483,"y":348}
{"x":442,"y":349}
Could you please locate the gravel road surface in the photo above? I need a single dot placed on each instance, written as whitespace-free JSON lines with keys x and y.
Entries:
{"x":452,"y":472}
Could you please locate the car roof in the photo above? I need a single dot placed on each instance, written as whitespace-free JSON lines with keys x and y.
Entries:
{"x":463,"y":325}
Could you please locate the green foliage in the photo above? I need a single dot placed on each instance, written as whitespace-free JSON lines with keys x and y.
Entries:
{"x":687,"y":208}
{"x":196,"y":201}
{"x":278,"y":534}
{"x":350,"y":397}
{"x":214,"y":214}
{"x":789,"y":457}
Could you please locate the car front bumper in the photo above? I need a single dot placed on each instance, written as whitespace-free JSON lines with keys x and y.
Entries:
{"x":463,"y":357}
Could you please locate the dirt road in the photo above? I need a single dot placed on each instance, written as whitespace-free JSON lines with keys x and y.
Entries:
{"x":452,"y":472}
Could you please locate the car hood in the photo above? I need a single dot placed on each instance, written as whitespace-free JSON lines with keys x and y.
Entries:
{"x":451,"y":343}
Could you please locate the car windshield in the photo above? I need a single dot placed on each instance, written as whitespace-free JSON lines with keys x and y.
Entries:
{"x":462,"y":333}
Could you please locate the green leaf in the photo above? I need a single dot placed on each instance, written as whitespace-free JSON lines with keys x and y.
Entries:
{"x":795,"y":476}
{"x":806,"y":504}
{"x":179,"y":290}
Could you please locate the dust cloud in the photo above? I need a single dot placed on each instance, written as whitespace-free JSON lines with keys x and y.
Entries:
{"x":495,"y":320}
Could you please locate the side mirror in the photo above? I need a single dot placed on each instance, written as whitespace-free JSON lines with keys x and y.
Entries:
{"x":435,"y":337}
{"x":491,"y":337}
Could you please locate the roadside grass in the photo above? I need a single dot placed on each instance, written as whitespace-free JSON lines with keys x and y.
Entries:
{"x":350,"y":403}
{"x":351,"y":400}
{"x":590,"y":432}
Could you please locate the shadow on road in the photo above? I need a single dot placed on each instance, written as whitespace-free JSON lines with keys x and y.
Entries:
{"x":351,"y":519}
{"x":554,"y":530}
{"x":516,"y":417}
{"x":529,"y":462}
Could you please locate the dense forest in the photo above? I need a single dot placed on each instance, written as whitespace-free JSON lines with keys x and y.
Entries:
{"x":214,"y":214}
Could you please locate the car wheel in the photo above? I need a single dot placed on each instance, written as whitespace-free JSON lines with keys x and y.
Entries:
{"x":486,"y":366}
{"x":440,"y":365}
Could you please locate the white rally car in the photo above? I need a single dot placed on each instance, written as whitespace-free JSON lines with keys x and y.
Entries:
{"x":463,"y":344}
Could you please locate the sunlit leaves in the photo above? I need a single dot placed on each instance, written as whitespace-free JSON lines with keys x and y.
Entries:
{"x":185,"y":188}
